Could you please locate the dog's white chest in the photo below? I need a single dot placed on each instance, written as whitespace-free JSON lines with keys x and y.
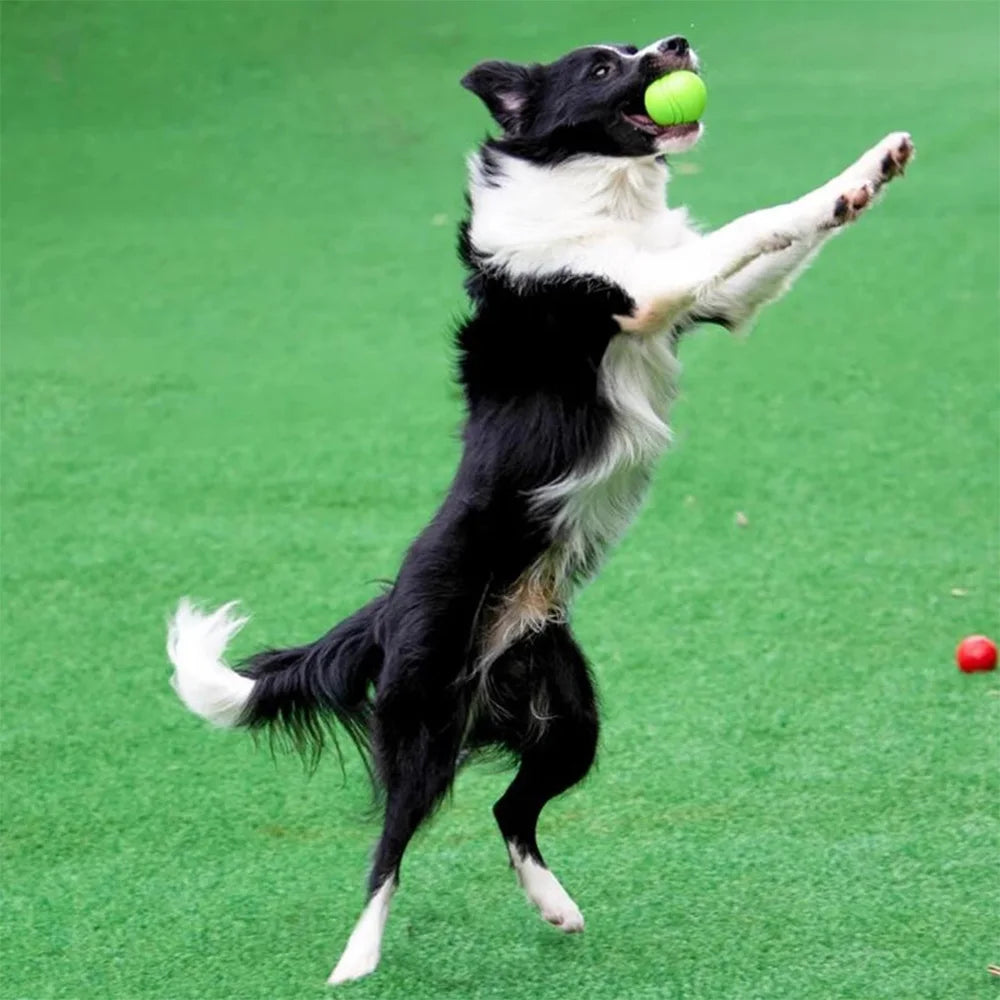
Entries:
{"x":638,"y":379}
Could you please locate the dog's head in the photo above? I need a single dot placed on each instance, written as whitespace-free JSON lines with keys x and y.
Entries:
{"x":589,"y":101}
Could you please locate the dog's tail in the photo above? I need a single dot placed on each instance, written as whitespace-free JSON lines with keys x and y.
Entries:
{"x":299,"y":693}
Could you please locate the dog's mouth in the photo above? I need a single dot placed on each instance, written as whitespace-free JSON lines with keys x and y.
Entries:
{"x":646,"y":124}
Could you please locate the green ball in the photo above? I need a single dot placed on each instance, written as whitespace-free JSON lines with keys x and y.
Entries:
{"x":676,"y":98}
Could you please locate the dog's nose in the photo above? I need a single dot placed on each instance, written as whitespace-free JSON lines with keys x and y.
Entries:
{"x":677,"y":44}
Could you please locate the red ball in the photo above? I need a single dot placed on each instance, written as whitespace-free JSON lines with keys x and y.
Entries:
{"x":976,"y":652}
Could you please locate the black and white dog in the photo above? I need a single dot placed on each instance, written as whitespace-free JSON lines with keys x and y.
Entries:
{"x":582,"y":281}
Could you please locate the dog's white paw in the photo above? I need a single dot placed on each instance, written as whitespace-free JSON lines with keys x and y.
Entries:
{"x":885,"y":160}
{"x":844,"y":199}
{"x":897,"y":151}
{"x":554,"y":903}
{"x":360,"y":957}
{"x":564,"y":914}
{"x":546,"y":893}
{"x":354,"y":964}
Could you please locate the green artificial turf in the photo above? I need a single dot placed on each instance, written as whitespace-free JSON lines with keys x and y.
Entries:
{"x":229,"y":282}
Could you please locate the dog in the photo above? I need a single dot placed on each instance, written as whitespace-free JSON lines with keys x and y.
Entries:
{"x":582,"y":282}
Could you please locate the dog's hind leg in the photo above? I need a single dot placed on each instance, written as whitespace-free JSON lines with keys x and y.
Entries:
{"x":557,"y":748}
{"x":415,"y":743}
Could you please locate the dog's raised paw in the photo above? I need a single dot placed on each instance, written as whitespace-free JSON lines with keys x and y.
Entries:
{"x":852,"y":203}
{"x":884,"y":161}
{"x":897,"y":151}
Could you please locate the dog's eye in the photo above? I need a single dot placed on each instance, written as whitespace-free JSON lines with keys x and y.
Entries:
{"x":598,"y":72}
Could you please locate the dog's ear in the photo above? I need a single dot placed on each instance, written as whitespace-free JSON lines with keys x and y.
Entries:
{"x":505,"y":88}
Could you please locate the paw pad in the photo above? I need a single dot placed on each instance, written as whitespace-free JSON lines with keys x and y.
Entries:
{"x":895,"y":160}
{"x":849,"y":204}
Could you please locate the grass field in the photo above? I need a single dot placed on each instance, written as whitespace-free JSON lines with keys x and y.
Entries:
{"x":229,"y":282}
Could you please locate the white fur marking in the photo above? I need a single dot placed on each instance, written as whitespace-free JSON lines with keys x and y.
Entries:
{"x":195,"y":644}
{"x":596,"y":216}
{"x":596,"y":504}
{"x":545,"y":892}
{"x":364,"y":946}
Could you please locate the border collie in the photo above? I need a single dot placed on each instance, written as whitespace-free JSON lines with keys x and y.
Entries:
{"x":582,"y":281}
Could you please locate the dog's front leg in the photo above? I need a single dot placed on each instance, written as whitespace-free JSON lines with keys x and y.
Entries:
{"x":727,"y":275}
{"x":669,"y":286}
{"x":822,"y":212}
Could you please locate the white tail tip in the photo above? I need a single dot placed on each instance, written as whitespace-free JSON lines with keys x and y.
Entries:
{"x":195,"y":644}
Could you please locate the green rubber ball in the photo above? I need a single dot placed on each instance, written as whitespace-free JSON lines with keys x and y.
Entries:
{"x":676,"y":98}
